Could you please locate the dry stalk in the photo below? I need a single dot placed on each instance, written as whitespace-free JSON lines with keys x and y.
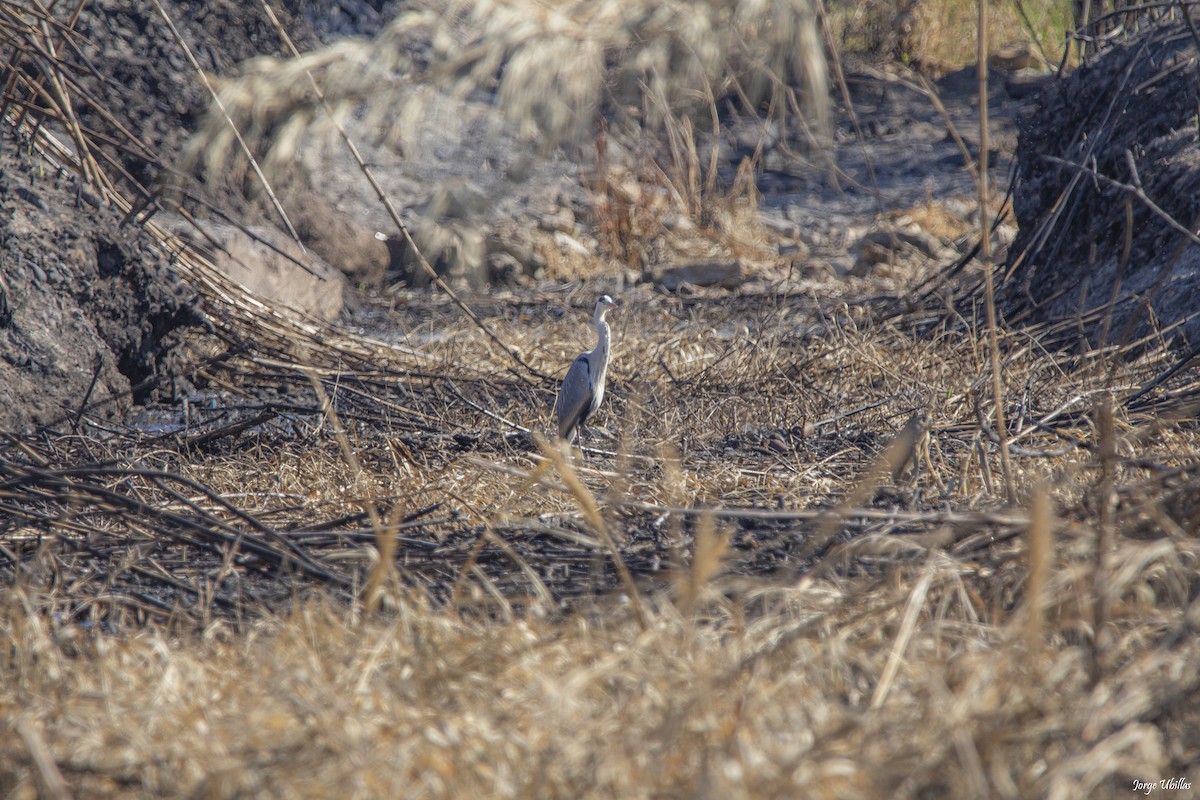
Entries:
{"x":625,"y":220}
{"x":385,"y":535}
{"x":708,"y":552}
{"x":382,"y":570}
{"x":92,"y":173}
{"x":908,"y":625}
{"x":1034,"y":35}
{"x":591,"y":512}
{"x":489,"y":534}
{"x":844,"y":90}
{"x":972,"y":167}
{"x":245,"y":148}
{"x":985,"y":256}
{"x":1041,"y":553}
{"x":539,"y":586}
{"x":1105,"y":502}
{"x":50,"y":780}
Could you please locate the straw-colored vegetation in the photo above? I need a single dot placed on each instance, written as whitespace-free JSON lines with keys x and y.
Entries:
{"x":940,"y":35}
{"x":786,"y":569}
{"x":909,"y":639}
{"x":554,"y":73}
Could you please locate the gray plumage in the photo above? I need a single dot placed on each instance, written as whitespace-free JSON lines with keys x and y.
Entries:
{"x":583,"y":388}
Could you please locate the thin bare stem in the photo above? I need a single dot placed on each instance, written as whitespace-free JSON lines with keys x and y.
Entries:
{"x":591,"y":512}
{"x":187,"y":51}
{"x":985,"y":255}
{"x":1105,"y":500}
{"x":49,"y":779}
{"x":908,"y":625}
{"x":1041,"y":552}
{"x":385,"y":535}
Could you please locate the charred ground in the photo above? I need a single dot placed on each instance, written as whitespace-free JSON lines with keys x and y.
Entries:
{"x":335,"y":558}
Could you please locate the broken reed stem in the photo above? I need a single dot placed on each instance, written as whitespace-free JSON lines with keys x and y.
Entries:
{"x":907,"y":625}
{"x":386,"y":200}
{"x":985,"y":255}
{"x":1105,"y":501}
{"x":49,"y":779}
{"x":91,"y":171}
{"x":1040,"y":549}
{"x":385,"y":535}
{"x":708,"y":552}
{"x":591,"y":512}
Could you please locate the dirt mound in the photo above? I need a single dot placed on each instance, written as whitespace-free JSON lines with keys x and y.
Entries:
{"x":91,"y":304}
{"x":142,"y":73}
{"x":1088,"y":240}
{"x":88,"y":307}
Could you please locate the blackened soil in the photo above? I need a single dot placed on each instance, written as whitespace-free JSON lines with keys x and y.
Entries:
{"x":92,"y":305}
{"x":1127,"y":119}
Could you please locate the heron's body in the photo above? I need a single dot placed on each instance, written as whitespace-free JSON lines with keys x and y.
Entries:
{"x":583,"y":388}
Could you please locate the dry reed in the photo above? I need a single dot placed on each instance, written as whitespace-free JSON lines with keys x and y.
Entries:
{"x":182,"y":611}
{"x":552,"y":73}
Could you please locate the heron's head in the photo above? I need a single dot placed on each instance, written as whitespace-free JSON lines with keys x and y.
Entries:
{"x":605,"y":304}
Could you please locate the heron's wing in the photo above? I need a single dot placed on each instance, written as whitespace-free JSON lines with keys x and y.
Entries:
{"x":574,"y":397}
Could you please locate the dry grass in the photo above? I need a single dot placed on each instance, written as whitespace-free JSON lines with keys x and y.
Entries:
{"x":899,"y":658}
{"x":552,"y":74}
{"x":811,"y":605}
{"x":941,"y":35}
{"x":770,"y":702}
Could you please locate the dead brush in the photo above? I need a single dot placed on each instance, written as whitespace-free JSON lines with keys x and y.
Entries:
{"x":635,"y":212}
{"x":627,"y":208}
{"x":551,"y":74}
{"x":787,"y":678}
{"x":937,"y":37}
{"x":174,"y":617}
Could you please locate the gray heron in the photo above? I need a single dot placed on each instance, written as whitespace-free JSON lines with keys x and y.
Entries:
{"x":583,"y":387}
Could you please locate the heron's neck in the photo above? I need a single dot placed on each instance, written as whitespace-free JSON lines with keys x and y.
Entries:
{"x":604,"y":334}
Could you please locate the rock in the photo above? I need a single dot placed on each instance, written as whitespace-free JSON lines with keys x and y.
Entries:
{"x":883,"y":245}
{"x":726,"y":274}
{"x":1015,"y":56}
{"x":270,"y":265}
{"x":356,"y":250}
